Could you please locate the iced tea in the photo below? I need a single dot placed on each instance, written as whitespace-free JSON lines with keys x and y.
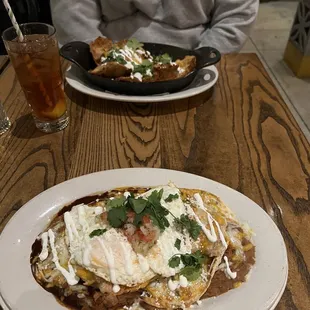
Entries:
{"x":37,"y":64}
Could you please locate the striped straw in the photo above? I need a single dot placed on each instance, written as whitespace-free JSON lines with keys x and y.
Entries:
{"x":13,"y":20}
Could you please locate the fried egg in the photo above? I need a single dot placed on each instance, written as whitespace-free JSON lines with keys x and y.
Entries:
{"x":159,"y":255}
{"x":108,"y":255}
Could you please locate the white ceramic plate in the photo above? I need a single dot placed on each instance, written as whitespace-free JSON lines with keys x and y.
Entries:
{"x":204,"y":80}
{"x":20,"y":290}
{"x":273,"y":306}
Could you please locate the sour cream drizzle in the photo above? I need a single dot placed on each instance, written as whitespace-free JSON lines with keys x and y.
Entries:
{"x":70,"y":225}
{"x":44,"y":252}
{"x":172,"y":285}
{"x":126,"y":194}
{"x":82,"y":215}
{"x":110,"y":260}
{"x":211,"y":235}
{"x":127,"y":257}
{"x":138,"y":75}
{"x":221,"y":234}
{"x":210,"y":221}
{"x":86,"y":253}
{"x":228,"y":271}
{"x":116,"y":288}
{"x":70,"y":275}
{"x":183,"y":281}
{"x":98,"y":210}
{"x":144,"y":265}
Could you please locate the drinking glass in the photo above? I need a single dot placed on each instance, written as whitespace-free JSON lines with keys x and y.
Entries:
{"x":5,"y":123}
{"x":37,"y":64}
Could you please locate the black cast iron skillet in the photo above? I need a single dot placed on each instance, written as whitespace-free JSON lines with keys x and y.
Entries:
{"x":79,"y":53}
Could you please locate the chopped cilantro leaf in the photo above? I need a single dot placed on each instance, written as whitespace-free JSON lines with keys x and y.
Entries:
{"x":117,"y":216}
{"x":116,"y":202}
{"x":113,"y":56}
{"x":193,"y":228}
{"x":150,"y":206}
{"x":177,"y":243}
{"x":174,"y":261}
{"x":191,"y":273}
{"x":134,"y":44}
{"x":188,"y":260}
{"x":146,"y":62}
{"x":199,"y":257}
{"x":171,"y":197}
{"x":164,"y":58}
{"x":97,"y":232}
{"x":192,"y":264}
{"x":155,"y":198}
{"x":145,"y":65}
{"x":138,"y":205}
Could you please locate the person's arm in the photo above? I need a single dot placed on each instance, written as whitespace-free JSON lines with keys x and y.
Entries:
{"x":230,"y":25}
{"x":76,"y":20}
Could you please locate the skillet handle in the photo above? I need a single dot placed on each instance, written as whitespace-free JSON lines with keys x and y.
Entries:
{"x":207,"y":56}
{"x":78,"y":53}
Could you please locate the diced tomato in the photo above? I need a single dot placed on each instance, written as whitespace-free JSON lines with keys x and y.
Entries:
{"x":146,"y":238}
{"x":146,"y":219}
{"x":130,"y":216}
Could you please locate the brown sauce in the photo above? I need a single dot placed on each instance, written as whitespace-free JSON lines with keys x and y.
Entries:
{"x":220,"y":284}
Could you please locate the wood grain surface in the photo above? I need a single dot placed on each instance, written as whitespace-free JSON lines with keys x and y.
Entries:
{"x":4,"y":60}
{"x":242,"y":134}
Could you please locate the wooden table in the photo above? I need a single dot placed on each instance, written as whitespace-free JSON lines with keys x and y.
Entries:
{"x":243,"y":136}
{"x":4,"y":60}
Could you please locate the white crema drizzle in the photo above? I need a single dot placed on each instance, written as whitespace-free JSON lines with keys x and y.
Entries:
{"x":211,"y":220}
{"x":200,"y":204}
{"x":44,"y":252}
{"x":127,"y":257}
{"x":210,"y":234}
{"x":70,"y":275}
{"x":82,"y":215}
{"x":111,"y":264}
{"x":143,"y":263}
{"x":228,"y":271}
{"x":70,"y":226}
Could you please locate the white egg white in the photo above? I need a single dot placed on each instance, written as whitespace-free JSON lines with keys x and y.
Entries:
{"x":109,"y":255}
{"x":159,"y":255}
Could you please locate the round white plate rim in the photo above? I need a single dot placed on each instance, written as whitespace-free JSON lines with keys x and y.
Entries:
{"x":277,"y":300}
{"x":126,"y":176}
{"x":88,"y":90}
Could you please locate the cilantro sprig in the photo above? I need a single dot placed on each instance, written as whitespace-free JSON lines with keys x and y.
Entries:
{"x":143,"y":67}
{"x":184,"y":222}
{"x":155,"y":210}
{"x":97,"y":232}
{"x":177,"y":243}
{"x":164,"y":59}
{"x":134,"y":44}
{"x":113,"y":56}
{"x":149,"y":206}
{"x":192,"y":264}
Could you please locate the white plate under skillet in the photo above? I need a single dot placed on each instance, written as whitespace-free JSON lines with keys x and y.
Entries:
{"x":20,"y":291}
{"x":204,"y":80}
